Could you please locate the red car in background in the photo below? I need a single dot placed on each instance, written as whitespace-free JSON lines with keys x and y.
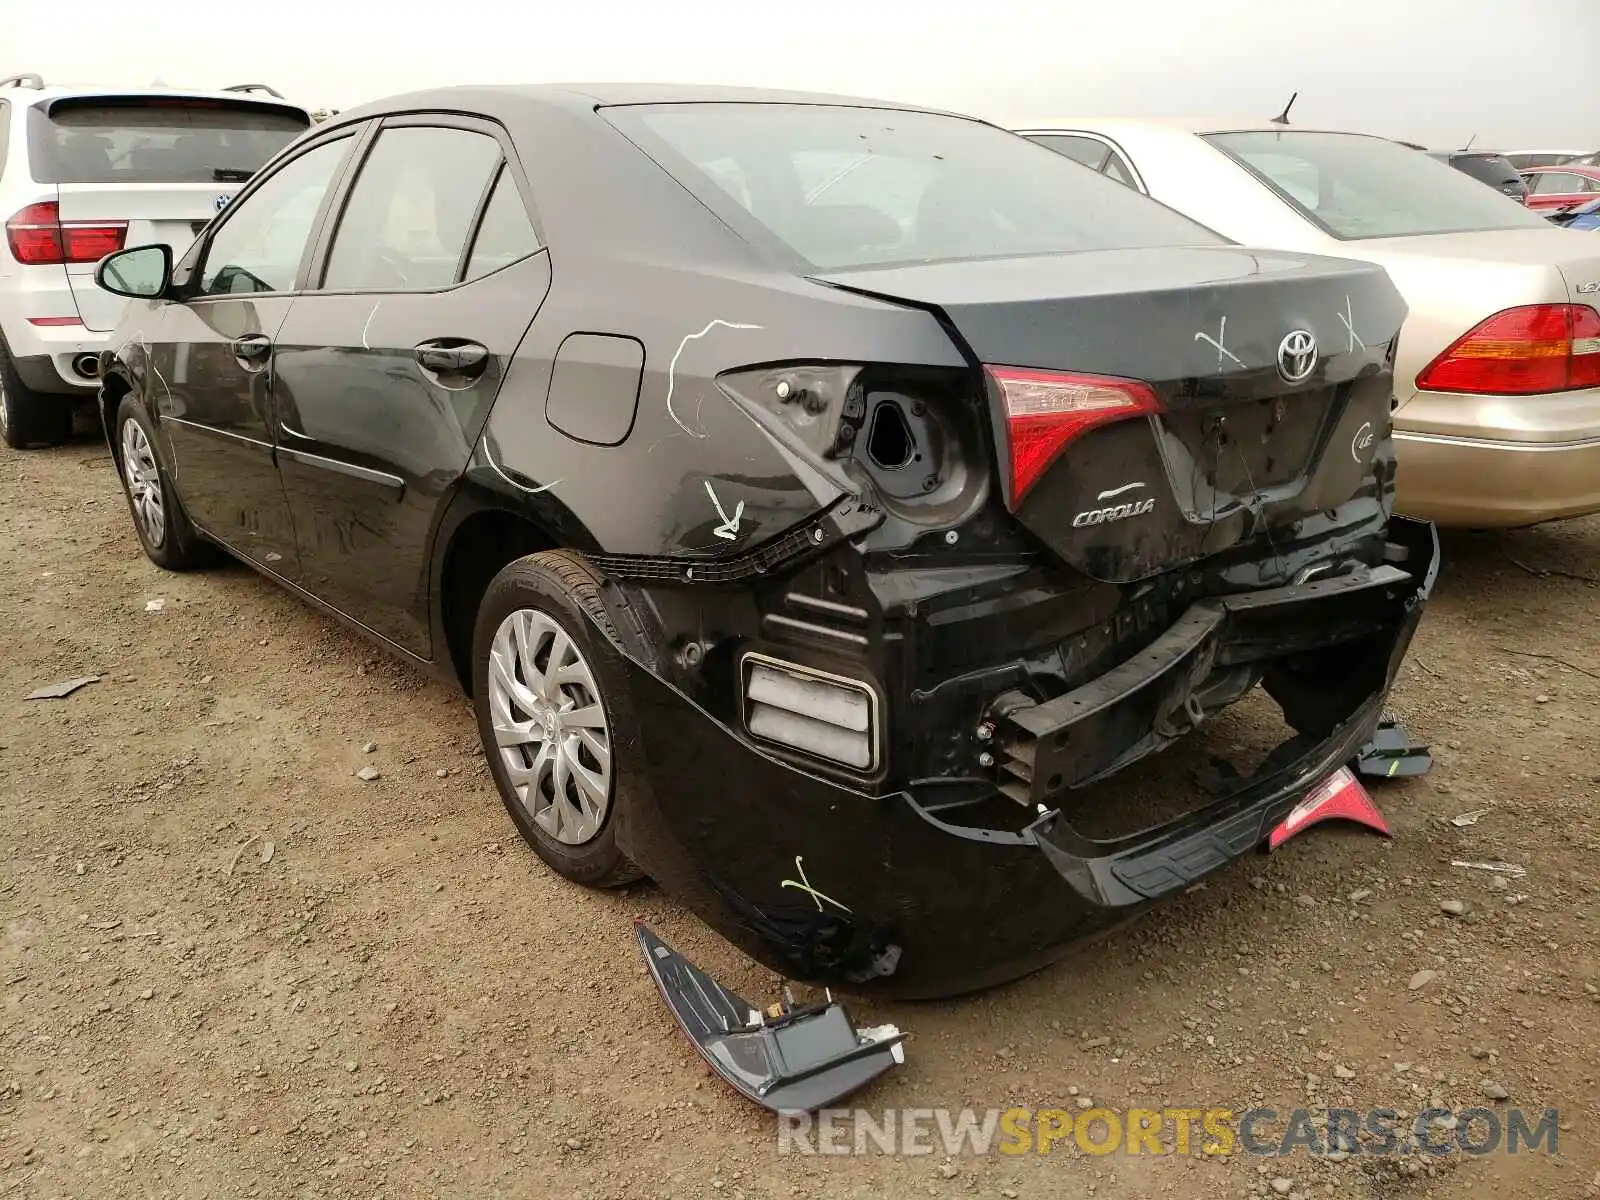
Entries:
{"x":1561,"y":187}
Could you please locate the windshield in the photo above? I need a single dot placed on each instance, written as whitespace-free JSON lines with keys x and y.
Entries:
{"x":1354,"y":186}
{"x":157,"y":140}
{"x":843,"y":187}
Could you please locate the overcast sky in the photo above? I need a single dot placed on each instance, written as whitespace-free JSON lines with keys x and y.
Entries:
{"x":1437,"y":71}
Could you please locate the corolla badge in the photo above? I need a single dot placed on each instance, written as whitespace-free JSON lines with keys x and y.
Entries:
{"x":1115,"y":512}
{"x":1297,"y":356}
{"x":222,"y":202}
{"x":1361,"y":441}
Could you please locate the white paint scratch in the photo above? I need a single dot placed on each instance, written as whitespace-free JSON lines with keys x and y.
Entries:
{"x":500,"y":471}
{"x":1349,"y":320}
{"x":365,"y":345}
{"x":1220,"y":343}
{"x":672,"y":367}
{"x":729,"y":529}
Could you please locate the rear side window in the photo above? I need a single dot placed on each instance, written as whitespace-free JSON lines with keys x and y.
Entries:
{"x":839,"y":187}
{"x":156,"y":140}
{"x":406,"y":222}
{"x":1079,"y":149}
{"x":505,"y":234}
{"x":1355,"y":186}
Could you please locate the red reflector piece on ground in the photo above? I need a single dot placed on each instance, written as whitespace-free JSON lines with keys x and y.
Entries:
{"x":1340,"y":797}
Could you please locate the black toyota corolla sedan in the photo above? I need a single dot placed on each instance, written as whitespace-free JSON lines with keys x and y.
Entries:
{"x":815,"y":496}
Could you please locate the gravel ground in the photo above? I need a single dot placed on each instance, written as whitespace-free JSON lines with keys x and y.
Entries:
{"x":232,"y":967}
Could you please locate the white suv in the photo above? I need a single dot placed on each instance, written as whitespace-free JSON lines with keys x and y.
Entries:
{"x":83,"y":172}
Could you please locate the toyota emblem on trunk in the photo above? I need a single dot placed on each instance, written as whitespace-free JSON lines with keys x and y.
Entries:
{"x":1297,"y":356}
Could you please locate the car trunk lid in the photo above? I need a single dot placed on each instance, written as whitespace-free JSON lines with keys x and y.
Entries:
{"x":1238,"y":446}
{"x":170,"y":213}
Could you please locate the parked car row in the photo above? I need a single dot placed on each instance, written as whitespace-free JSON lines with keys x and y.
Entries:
{"x":1497,"y":377}
{"x":82,"y":174}
{"x":819,"y":497}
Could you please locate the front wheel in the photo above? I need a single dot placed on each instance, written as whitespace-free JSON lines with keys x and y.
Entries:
{"x":555,"y":714}
{"x":168,"y":537}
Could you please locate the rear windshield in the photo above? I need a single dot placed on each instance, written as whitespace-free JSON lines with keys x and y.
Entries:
{"x":1354,"y":186}
{"x":1491,"y":168}
{"x":156,"y":140}
{"x":840,"y":187}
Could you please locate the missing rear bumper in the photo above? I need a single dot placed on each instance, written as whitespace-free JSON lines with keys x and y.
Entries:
{"x":789,"y":1058}
{"x":909,"y":893}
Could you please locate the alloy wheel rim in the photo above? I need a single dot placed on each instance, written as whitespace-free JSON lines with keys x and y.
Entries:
{"x":550,"y":726}
{"x":5,"y":405}
{"x":144,"y":483}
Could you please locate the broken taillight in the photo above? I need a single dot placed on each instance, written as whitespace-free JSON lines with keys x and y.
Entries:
{"x":1522,"y":351}
{"x":1046,"y":411}
{"x":38,"y":237}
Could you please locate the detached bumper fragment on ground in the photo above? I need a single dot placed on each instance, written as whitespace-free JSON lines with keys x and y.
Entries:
{"x":790,"y":1058}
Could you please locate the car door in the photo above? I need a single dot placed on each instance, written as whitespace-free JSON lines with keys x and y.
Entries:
{"x":386,"y":366}
{"x":212,"y":354}
{"x":1556,"y":189}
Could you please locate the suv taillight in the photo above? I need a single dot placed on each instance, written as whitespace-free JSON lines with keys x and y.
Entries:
{"x":38,"y":238}
{"x":1046,"y":411}
{"x":1522,"y":351}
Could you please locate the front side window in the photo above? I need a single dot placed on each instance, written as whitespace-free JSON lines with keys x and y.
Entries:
{"x":838,"y":187}
{"x":260,"y":243}
{"x":406,"y":223}
{"x":1355,"y":186}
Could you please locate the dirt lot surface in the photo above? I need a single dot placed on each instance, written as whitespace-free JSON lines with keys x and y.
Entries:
{"x":399,"y":1000}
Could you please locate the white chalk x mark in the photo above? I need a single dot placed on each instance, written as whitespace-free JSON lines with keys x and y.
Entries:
{"x":1220,"y":342}
{"x":804,"y":885}
{"x":1349,"y":319}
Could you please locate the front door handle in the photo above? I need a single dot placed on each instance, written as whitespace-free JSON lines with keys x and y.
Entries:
{"x":454,"y":358}
{"x":252,"y":350}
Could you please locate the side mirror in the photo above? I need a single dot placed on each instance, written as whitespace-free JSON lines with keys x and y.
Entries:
{"x":142,"y":273}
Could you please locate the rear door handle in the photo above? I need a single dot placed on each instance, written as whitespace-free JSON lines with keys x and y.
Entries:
{"x":252,"y":350}
{"x":449,"y":357}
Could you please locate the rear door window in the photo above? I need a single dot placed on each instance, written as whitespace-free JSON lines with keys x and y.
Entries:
{"x":156,"y":139}
{"x":407,"y":219}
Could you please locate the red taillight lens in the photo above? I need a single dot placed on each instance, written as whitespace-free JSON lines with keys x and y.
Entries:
{"x":1522,"y":352}
{"x":38,"y":238}
{"x":1046,"y":411}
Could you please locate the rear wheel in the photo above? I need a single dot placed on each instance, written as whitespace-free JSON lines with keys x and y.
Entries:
{"x":29,"y":418}
{"x":554,"y":712}
{"x":164,"y":529}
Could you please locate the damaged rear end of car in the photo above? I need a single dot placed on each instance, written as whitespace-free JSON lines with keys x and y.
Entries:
{"x":1122,"y":515}
{"x":970,"y":517}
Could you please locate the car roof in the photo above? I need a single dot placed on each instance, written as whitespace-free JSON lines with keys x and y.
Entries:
{"x":1564,"y":169}
{"x":25,"y":97}
{"x":490,"y":98}
{"x":1172,"y":125}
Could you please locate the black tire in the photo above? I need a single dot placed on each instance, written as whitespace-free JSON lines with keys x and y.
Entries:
{"x":29,"y":418}
{"x":179,"y":546}
{"x":561,"y":585}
